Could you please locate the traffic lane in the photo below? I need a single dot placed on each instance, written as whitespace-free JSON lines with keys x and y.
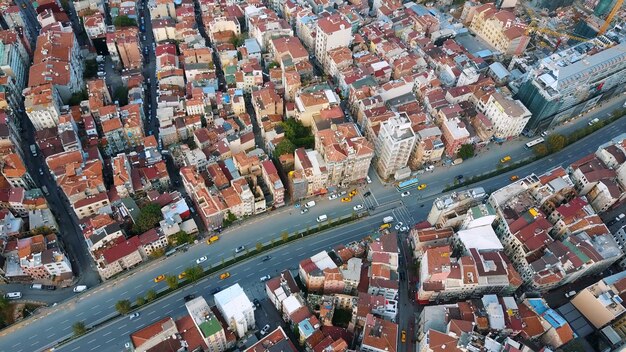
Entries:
{"x":113,"y":336}
{"x":93,"y":304}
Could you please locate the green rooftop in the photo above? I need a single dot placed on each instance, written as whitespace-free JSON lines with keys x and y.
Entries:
{"x":210,"y":327}
{"x":582,"y":256}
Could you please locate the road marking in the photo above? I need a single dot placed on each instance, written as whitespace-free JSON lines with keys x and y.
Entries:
{"x":178,"y":267}
{"x":95,"y":348}
{"x":289,"y":259}
{"x":32,"y":337}
{"x":246,"y":269}
{"x":108,"y":333}
{"x":249,"y":275}
{"x":92,"y":341}
{"x":64,"y":321}
{"x":50,"y":336}
{"x":167,"y":305}
{"x":79,"y":314}
{"x":121,"y":327}
{"x":50,"y":328}
{"x":299,"y":248}
{"x":168,"y":312}
{"x":75,"y":348}
{"x":111,"y":340}
{"x":154,"y":311}
{"x":17,"y":344}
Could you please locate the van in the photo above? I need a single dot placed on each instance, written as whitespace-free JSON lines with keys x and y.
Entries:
{"x":322,"y":217}
{"x":79,"y":288}
{"x":13,"y":295}
{"x":212,"y":239}
{"x":387,"y":219}
{"x":384,"y":226}
{"x":594,"y":121}
{"x":457,"y":161}
{"x":505,"y":159}
{"x":36,"y":286}
{"x":310,"y":204}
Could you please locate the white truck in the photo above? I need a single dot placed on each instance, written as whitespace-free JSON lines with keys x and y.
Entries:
{"x":387,"y":219}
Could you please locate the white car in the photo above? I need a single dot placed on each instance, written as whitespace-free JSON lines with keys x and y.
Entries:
{"x":406,"y":194}
{"x":343,"y":193}
{"x":398,"y":225}
{"x":570,"y":294}
{"x":620,"y":217}
{"x":404,"y":229}
{"x":357,"y":207}
{"x":201,"y":259}
{"x":332,"y":196}
{"x":134,"y":315}
{"x":79,"y":288}
{"x":265,"y":278}
{"x":265,"y":329}
{"x":368,"y":179}
{"x":304,"y":211}
{"x":240,"y":249}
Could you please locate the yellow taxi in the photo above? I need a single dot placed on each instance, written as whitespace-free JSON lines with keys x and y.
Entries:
{"x":182,"y":275}
{"x":514,"y":178}
{"x":346,"y":199}
{"x":159,"y":278}
{"x":403,"y":336}
{"x":421,"y":187}
{"x":225,"y":275}
{"x":352,"y":193}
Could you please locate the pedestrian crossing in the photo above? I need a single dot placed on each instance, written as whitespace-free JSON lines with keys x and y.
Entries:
{"x":403,"y":214}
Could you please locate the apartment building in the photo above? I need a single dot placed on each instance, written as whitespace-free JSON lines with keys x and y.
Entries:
{"x":600,"y":303}
{"x":508,"y":116}
{"x":309,"y":165}
{"x":455,"y":134}
{"x":14,"y":61}
{"x":274,"y":183}
{"x":236,"y":308}
{"x":332,"y":32}
{"x":210,"y":328}
{"x":500,"y":29}
{"x":429,"y":147}
{"x":43,"y":106}
{"x":313,"y":271}
{"x":379,"y":335}
{"x":210,"y":208}
{"x":393,"y":145}
{"x":125,"y":48}
{"x":346,"y":153}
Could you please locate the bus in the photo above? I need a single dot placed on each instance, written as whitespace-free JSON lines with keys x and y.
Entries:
{"x":534,"y":143}
{"x":405,"y":185}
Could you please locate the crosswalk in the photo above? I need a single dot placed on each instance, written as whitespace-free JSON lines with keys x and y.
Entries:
{"x":403,"y":214}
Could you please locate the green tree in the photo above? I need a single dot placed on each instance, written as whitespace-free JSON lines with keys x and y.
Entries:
{"x":273,"y":64}
{"x":182,"y":237}
{"x":79,"y":328}
{"x":284,"y":147}
{"x":140,"y":301}
{"x":259,"y":246}
{"x":237,"y":40}
{"x":121,"y":95}
{"x":91,"y":69}
{"x":151,"y":295}
{"x":556,"y":142}
{"x":172,"y":281}
{"x":149,"y":217}
{"x":541,"y":150}
{"x":4,"y":303}
{"x":466,"y":151}
{"x":123,"y":306}
{"x":230,"y":218}
{"x":194,"y":273}
{"x":124,"y":21}
{"x":284,"y":236}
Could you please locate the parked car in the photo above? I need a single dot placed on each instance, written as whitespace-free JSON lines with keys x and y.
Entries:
{"x":265,"y":329}
{"x":404,"y":229}
{"x":421,"y":187}
{"x":406,"y":194}
{"x":459,"y":177}
{"x":343,"y":193}
{"x":265,"y":278}
{"x":357,"y":207}
{"x":570,"y":294}
{"x":134,"y":316}
{"x":256,"y":303}
{"x":620,"y":217}
{"x":368,"y":179}
{"x":240,"y":249}
{"x":332,"y":196}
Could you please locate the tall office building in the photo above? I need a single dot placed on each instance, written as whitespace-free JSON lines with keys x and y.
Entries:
{"x":394,"y":144}
{"x":573,"y":80}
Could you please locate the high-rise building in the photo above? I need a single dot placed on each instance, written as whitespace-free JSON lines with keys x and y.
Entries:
{"x":207,"y":324}
{"x":573,"y":80}
{"x":394,"y":144}
{"x":236,"y":309}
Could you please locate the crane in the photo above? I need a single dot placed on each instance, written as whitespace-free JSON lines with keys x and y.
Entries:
{"x":559,"y":35}
{"x":609,"y":18}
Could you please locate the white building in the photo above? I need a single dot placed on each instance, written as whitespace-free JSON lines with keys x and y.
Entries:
{"x":508,"y":116}
{"x":394,"y":144}
{"x":236,"y":309}
{"x":43,"y":105}
{"x":332,"y":32}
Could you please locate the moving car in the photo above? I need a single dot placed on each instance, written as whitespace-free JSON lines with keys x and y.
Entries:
{"x":368,"y":179}
{"x":404,"y":229}
{"x":342,"y":193}
{"x":225,"y":275}
{"x":421,"y":187}
{"x":357,"y":207}
{"x":212,"y":239}
{"x":403,"y":336}
{"x":256,"y":303}
{"x":406,"y":194}
{"x":367,"y":194}
{"x":240,"y":249}
{"x":189,"y":298}
{"x":265,"y":329}
{"x":13,"y":295}
{"x":182,"y":275}
{"x":620,"y":217}
{"x":514,"y":178}
{"x":505,"y":159}
{"x":353,"y":193}
{"x":265,"y":278}
{"x":216,"y":290}
{"x":322,"y":217}
{"x":332,"y":196}
{"x":134,"y":315}
{"x":304,"y":211}
{"x":398,"y":225}
{"x":593,"y":121}
{"x":201,"y":259}
{"x":159,"y":278}
{"x":266,"y":258}
{"x":346,"y":199}
{"x":79,"y":288}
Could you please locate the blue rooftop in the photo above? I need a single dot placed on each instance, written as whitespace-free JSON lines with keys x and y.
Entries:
{"x":615,"y":278}
{"x":252,"y":46}
{"x":538,"y":305}
{"x":554,"y":318}
{"x":306,"y":328}
{"x":499,"y":70}
{"x":484,"y":53}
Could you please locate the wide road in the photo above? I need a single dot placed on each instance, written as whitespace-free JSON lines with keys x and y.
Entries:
{"x":99,"y":305}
